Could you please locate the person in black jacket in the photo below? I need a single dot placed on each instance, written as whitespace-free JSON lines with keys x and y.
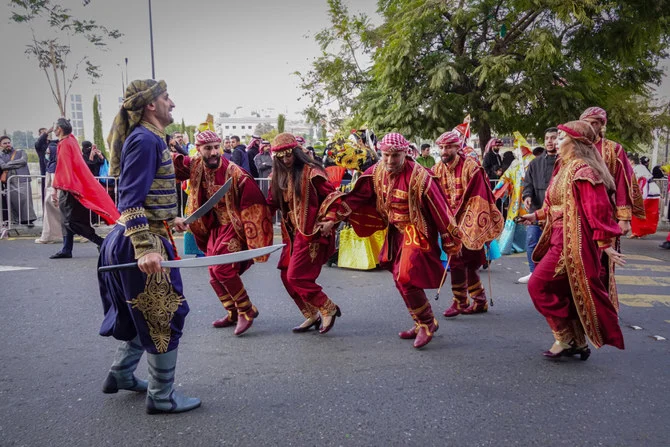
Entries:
{"x":252,"y":150}
{"x":239,"y":153}
{"x":535,"y":185}
{"x":492,"y":158}
{"x":93,"y":157}
{"x":41,"y":146}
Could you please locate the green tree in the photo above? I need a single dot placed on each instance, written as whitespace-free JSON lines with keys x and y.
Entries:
{"x":281,"y":123}
{"x":98,"y":139}
{"x":512,"y":65}
{"x":263,"y":128}
{"x":52,"y":53}
{"x":183,"y":126}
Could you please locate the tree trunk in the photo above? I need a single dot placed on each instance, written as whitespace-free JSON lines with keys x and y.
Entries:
{"x":59,"y":98}
{"x":484,"y":135}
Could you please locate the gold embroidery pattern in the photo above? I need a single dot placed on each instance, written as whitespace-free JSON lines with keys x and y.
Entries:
{"x":574,"y":264}
{"x":313,"y":250}
{"x":165,"y":169}
{"x":158,"y":304}
{"x":234,"y":245}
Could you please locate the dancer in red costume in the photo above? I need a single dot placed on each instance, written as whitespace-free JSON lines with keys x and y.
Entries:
{"x":566,"y":286}
{"x":240,"y":221}
{"x":401,"y":195}
{"x":300,"y":190}
{"x":628,"y":200}
{"x":474,"y":207}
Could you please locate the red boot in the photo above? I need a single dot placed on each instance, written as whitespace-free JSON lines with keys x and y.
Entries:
{"x":479,"y":306}
{"x":245,"y":320}
{"x":227,"y":321}
{"x":456,"y":308}
{"x":425,"y":334}
{"x":409,"y":334}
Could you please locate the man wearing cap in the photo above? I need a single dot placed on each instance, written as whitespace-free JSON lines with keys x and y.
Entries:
{"x":144,"y":307}
{"x":628,"y":199}
{"x":240,"y":221}
{"x":474,"y":207}
{"x":399,"y":194}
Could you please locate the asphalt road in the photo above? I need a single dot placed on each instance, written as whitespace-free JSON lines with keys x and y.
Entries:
{"x":481,"y":382}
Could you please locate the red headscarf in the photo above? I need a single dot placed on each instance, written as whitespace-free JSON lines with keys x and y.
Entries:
{"x":206,"y":137}
{"x":449,"y":138}
{"x":594,"y":112}
{"x":394,"y":142}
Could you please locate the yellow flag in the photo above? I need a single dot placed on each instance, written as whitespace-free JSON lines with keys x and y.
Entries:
{"x":208,"y":124}
{"x":520,"y":141}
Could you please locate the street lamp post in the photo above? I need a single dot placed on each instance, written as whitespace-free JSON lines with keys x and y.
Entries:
{"x":151,"y":37}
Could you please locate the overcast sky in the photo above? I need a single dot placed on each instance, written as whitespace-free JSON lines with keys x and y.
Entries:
{"x":214,"y":56}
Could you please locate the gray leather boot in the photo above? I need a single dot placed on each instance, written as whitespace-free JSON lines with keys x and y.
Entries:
{"x":121,"y":375}
{"x":161,"y":396}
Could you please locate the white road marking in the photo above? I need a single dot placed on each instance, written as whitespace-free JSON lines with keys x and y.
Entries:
{"x":10,"y":268}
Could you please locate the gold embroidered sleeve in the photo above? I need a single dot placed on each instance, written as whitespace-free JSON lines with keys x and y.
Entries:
{"x":624,"y":212}
{"x":137,"y":229}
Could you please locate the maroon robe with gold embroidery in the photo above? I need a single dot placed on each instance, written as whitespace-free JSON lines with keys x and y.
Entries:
{"x":628,"y":198}
{"x":469,"y":195}
{"x":566,"y":286}
{"x":306,"y":249}
{"x":414,"y":207}
{"x":240,"y":221}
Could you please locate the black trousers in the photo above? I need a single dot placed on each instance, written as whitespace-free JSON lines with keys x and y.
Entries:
{"x":76,"y":220}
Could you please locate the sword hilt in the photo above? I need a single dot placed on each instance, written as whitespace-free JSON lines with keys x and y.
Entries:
{"x":111,"y":268}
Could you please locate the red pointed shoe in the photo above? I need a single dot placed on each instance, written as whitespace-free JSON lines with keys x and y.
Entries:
{"x":478,"y":306}
{"x":244,"y":321}
{"x":455,"y":309}
{"x":409,"y":334}
{"x":226,"y":321}
{"x":425,"y":334}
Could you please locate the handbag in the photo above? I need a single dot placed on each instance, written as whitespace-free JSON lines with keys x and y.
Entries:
{"x":355,"y":252}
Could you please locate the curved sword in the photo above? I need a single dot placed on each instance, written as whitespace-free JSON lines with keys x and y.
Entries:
{"x":209,"y":204}
{"x":228,"y":258}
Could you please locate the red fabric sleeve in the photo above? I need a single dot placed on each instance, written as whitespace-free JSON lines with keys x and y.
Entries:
{"x":597,"y":210}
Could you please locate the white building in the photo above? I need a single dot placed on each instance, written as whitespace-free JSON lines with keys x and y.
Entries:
{"x":77,"y":116}
{"x":243,"y":123}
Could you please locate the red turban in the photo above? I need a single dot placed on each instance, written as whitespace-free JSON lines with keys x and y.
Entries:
{"x":449,"y":138}
{"x":206,"y":137}
{"x":393,"y":142}
{"x":594,"y":112}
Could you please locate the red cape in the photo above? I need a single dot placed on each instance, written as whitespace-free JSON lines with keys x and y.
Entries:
{"x":74,"y":176}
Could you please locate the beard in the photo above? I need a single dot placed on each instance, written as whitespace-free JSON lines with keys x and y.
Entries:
{"x":447,"y":159}
{"x":213,"y":162}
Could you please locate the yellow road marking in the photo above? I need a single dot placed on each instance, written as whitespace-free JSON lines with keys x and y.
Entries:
{"x":650,"y":267}
{"x":643,"y":300}
{"x":625,"y":280}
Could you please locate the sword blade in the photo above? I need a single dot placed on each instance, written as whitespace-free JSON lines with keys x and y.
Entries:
{"x":228,"y":258}
{"x":209,"y":204}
